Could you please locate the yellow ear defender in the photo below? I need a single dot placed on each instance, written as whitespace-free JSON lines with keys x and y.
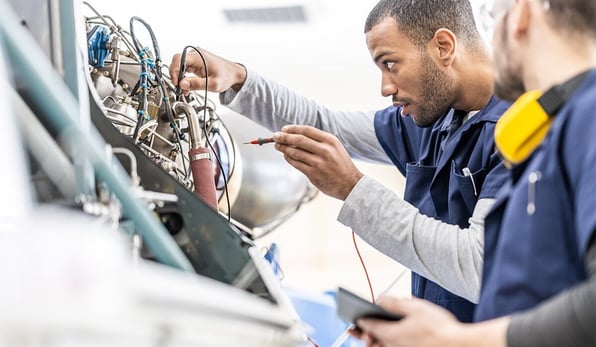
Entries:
{"x":525,"y":124}
{"x":521,"y":128}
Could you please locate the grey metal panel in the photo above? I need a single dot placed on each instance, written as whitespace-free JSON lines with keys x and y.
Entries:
{"x":35,"y":16}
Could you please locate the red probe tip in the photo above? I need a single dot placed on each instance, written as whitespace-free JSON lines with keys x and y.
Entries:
{"x":260,"y":141}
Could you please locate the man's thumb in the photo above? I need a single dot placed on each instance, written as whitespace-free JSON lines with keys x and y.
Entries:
{"x":184,"y":84}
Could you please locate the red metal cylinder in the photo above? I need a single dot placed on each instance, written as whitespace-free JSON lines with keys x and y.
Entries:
{"x":203,"y":175}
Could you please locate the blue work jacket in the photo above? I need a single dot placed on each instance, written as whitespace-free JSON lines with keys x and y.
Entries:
{"x":433,"y":160}
{"x":538,"y":232}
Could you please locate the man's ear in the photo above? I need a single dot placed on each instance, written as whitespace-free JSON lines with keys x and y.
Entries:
{"x":520,"y":18}
{"x":444,"y":44}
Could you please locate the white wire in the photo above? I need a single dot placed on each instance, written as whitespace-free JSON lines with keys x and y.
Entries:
{"x":346,"y":333}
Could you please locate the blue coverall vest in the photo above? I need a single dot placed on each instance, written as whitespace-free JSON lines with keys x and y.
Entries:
{"x":433,"y":160}
{"x":539,"y":229}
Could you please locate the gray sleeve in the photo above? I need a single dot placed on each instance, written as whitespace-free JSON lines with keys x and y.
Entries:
{"x":441,"y":252}
{"x":568,"y":319}
{"x":273,"y":106}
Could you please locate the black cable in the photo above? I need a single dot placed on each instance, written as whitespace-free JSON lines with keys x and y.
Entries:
{"x":223,"y":174}
{"x":181,"y":72}
{"x":153,"y":39}
{"x":144,"y":80}
{"x":231,"y":165}
{"x":173,"y":124}
{"x":180,"y":76}
{"x":156,"y":68}
{"x":186,"y":172}
{"x":143,"y":105}
{"x":232,"y":155}
{"x":159,"y":78}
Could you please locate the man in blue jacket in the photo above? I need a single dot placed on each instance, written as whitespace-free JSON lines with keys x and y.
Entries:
{"x":438,"y":133}
{"x":541,"y":235}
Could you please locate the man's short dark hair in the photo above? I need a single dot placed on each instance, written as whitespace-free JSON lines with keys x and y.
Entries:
{"x":420,"y":19}
{"x":573,"y":16}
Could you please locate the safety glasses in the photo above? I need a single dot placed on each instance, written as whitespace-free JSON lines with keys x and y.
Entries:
{"x":502,"y":7}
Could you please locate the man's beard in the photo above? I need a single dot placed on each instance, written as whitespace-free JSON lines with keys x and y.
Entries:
{"x":436,"y":96}
{"x":508,"y":83}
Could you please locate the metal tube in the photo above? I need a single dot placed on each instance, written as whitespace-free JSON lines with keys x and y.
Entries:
{"x":16,"y":202}
{"x":45,"y":150}
{"x":200,"y":158}
{"x":67,"y":15}
{"x":193,"y":124}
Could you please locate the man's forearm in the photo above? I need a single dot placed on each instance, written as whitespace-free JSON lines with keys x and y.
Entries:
{"x":441,"y":252}
{"x":273,"y":106}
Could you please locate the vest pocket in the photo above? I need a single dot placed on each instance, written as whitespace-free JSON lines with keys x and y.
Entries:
{"x":418,"y":178}
{"x":418,"y":181}
{"x":468,"y":182}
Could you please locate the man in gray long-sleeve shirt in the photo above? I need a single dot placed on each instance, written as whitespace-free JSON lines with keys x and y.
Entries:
{"x":438,"y":133}
{"x":545,"y":253}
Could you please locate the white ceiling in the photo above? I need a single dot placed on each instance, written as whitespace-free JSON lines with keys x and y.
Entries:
{"x":325,"y":58}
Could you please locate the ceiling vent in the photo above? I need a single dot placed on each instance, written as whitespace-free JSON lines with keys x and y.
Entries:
{"x":267,"y":15}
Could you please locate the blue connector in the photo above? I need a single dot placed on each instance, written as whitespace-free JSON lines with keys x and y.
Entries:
{"x":97,"y":45}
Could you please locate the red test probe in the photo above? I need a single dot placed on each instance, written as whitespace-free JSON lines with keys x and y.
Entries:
{"x":260,"y":141}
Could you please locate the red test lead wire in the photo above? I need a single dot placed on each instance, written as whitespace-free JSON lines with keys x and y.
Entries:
{"x":260,"y":141}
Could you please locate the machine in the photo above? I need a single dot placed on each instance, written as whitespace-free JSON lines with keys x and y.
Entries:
{"x":123,"y":228}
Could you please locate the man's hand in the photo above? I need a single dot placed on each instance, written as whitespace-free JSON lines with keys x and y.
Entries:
{"x":321,"y":157}
{"x":223,"y":74}
{"x":424,"y":324}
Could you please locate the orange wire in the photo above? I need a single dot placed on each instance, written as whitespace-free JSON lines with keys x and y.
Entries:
{"x":372,"y":294}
